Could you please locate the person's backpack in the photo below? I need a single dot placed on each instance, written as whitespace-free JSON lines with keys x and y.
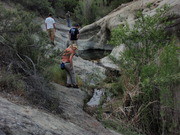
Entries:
{"x":62,"y":65}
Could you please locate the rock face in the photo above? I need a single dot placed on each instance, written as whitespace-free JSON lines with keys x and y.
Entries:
{"x":96,"y":34}
{"x":116,"y":54}
{"x":95,"y":100}
{"x":88,"y":71}
{"x":25,"y":120}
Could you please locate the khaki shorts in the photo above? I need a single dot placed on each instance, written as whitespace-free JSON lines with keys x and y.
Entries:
{"x":73,"y":42}
{"x":51,"y":32}
{"x":70,"y":42}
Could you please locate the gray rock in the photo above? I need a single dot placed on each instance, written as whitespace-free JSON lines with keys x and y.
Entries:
{"x":2,"y":133}
{"x":97,"y":34}
{"x":95,"y":100}
{"x":26,"y":120}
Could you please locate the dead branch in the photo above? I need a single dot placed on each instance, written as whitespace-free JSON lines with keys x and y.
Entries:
{"x":140,"y":111}
{"x":32,"y":64}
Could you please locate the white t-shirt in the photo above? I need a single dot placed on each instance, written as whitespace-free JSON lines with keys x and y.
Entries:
{"x":49,"y":21}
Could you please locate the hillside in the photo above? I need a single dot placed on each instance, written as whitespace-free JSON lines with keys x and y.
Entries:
{"x":139,"y":79}
{"x":22,"y":119}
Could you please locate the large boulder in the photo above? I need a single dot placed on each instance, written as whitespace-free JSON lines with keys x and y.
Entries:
{"x":90,"y":72}
{"x":115,"y":54}
{"x":98,"y":33}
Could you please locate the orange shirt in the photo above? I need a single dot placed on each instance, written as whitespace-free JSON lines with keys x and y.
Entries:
{"x":67,"y":55}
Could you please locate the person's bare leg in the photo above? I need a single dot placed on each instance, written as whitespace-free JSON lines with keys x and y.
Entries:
{"x":52,"y":37}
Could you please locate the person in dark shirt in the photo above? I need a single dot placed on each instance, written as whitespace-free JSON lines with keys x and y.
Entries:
{"x":74,"y":34}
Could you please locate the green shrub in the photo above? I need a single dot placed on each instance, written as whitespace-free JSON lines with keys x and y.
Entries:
{"x":150,"y":67}
{"x":87,"y":12}
{"x":40,"y":6}
{"x":24,"y":36}
{"x":65,"y":5}
{"x":116,"y":89}
{"x":22,"y":58}
{"x":11,"y":82}
{"x":44,"y":7}
{"x":55,"y":74}
{"x":149,"y":5}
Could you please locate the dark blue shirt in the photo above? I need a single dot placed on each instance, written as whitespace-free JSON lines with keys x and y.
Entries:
{"x":74,"y":32}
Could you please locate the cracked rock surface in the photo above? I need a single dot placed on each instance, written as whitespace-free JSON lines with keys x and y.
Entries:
{"x":25,"y":120}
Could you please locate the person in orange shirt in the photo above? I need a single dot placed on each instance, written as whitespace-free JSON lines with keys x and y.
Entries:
{"x":67,"y":59}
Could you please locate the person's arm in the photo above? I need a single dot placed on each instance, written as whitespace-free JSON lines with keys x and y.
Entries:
{"x":77,"y":34}
{"x":70,"y":59}
{"x":46,"y":25}
{"x":54,"y":25}
{"x":69,"y":34}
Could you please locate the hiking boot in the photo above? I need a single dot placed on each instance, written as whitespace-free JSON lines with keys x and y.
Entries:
{"x":75,"y":86}
{"x":68,"y":85}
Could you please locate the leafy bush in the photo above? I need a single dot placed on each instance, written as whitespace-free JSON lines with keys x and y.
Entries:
{"x":11,"y":82}
{"x":149,"y":67}
{"x":22,"y":58}
{"x":55,"y":74}
{"x":23,"y":36}
{"x":87,"y":12}
{"x":84,"y":12}
{"x":44,"y":7}
{"x":40,"y":6}
{"x":65,"y":5}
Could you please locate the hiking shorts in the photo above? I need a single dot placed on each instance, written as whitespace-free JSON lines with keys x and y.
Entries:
{"x":73,"y":42}
{"x":51,"y":32}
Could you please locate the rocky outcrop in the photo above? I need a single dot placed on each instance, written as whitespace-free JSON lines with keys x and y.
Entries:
{"x":88,"y":71}
{"x":97,"y":34}
{"x":115,"y":54}
{"x":25,"y":120}
{"x":175,"y":17}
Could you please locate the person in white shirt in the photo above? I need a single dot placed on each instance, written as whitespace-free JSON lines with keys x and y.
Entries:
{"x":50,"y":27}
